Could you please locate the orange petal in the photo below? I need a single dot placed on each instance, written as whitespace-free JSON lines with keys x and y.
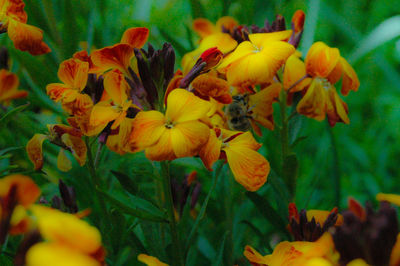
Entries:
{"x":9,"y":83}
{"x":113,"y":57}
{"x":350,"y":80}
{"x":184,"y":106}
{"x":395,"y":255}
{"x":77,"y":146}
{"x":321,"y":59}
{"x":63,"y":163}
{"x":27,"y":191}
{"x":61,"y":129}
{"x":116,"y":86}
{"x":249,"y":168}
{"x":56,"y":91}
{"x":103,"y":112}
{"x":27,"y":38}
{"x":135,"y":37}
{"x":212,"y":86}
{"x":162,"y":150}
{"x":203,"y":27}
{"x":74,"y":73}
{"x":314,"y":102}
{"x":294,"y":71}
{"x":79,"y":106}
{"x":210,"y":152}
{"x":148,"y":128}
{"x":150,"y":260}
{"x":227,"y":23}
{"x":83,"y":122}
{"x":337,"y":109}
{"x":298,"y":20}
{"x":188,"y":137}
{"x":34,"y":150}
{"x":253,"y":256}
{"x":15,"y":10}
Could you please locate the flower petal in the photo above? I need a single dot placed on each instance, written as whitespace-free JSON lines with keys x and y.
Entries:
{"x":210,"y":152}
{"x":162,"y":150}
{"x":136,"y":37}
{"x":27,"y":37}
{"x":350,"y":80}
{"x":34,"y":150}
{"x":203,"y":27}
{"x":148,"y":127}
{"x":314,"y":102}
{"x":63,"y":163}
{"x":77,"y":146}
{"x":294,"y":71}
{"x":103,"y":112}
{"x":74,"y":73}
{"x":116,"y":86}
{"x":259,"y":39}
{"x":150,"y":260}
{"x":321,"y":59}
{"x":27,"y":191}
{"x":113,"y":57}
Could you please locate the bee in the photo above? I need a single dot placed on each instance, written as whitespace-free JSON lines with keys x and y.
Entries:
{"x":237,"y":113}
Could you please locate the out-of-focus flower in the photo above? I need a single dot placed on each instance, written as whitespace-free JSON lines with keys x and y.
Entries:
{"x":25,"y":37}
{"x":74,"y":75}
{"x":178,"y":133}
{"x":67,"y":239}
{"x":150,"y":260}
{"x":9,"y":87}
{"x":392,"y":198}
{"x":326,"y":67}
{"x":299,"y":253}
{"x":297,"y":25}
{"x":210,"y":85}
{"x":312,"y":224}
{"x":17,"y":193}
{"x":203,"y":27}
{"x":249,"y":168}
{"x":257,"y":61}
{"x":66,"y":137}
{"x":181,"y":192}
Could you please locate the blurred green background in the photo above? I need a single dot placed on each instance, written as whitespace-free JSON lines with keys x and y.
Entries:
{"x":360,"y":159}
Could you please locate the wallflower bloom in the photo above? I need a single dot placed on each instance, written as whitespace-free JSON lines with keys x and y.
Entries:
{"x":203,"y":27}
{"x":150,"y":260}
{"x":257,"y":61}
{"x":25,"y":37}
{"x":74,"y":74}
{"x":326,"y":67}
{"x":249,"y":168}
{"x":68,"y":138}
{"x":9,"y":87}
{"x":68,"y":239}
{"x":178,"y":133}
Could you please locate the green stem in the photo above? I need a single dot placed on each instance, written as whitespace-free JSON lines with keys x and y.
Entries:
{"x":176,"y":245}
{"x":335,"y":167}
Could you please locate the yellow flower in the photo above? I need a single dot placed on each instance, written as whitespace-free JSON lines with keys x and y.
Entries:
{"x":150,"y":260}
{"x":257,"y":61}
{"x":178,"y":133}
{"x":25,"y":37}
{"x":392,"y":198}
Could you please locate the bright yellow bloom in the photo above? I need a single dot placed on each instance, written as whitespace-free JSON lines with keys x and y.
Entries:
{"x":257,"y":61}
{"x":326,"y":67}
{"x":178,"y":133}
{"x":392,"y":198}
{"x":249,"y":168}
{"x":25,"y":37}
{"x":150,"y":260}
{"x":68,"y":239}
{"x":68,"y":138}
{"x":9,"y":87}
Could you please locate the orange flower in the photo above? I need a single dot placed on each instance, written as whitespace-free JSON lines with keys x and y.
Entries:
{"x":178,"y":133}
{"x":249,"y":168}
{"x":119,"y":55}
{"x":257,"y":61}
{"x":117,"y":89}
{"x":74,"y":74}
{"x":119,"y":140}
{"x":9,"y":87}
{"x":203,"y":27}
{"x":326,"y":66}
{"x":25,"y":37}
{"x":209,"y":85}
{"x":68,"y":138}
{"x":150,"y":260}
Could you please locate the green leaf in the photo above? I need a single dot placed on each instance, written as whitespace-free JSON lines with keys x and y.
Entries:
{"x":71,"y":32}
{"x":6,"y":150}
{"x":9,"y":114}
{"x":220,"y":255}
{"x":290,"y":172}
{"x":126,"y":182}
{"x":197,"y":9}
{"x":297,"y":141}
{"x":268,"y":211}
{"x":384,"y":32}
{"x":145,"y":215}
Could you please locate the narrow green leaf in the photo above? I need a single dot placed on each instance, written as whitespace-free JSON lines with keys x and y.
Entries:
{"x":131,"y":211}
{"x":268,"y":211}
{"x":71,"y":33}
{"x":126,"y":182}
{"x":220,"y":255}
{"x":9,"y":114}
{"x":4,"y":151}
{"x":297,"y":141}
{"x":290,"y":172}
{"x":197,"y":9}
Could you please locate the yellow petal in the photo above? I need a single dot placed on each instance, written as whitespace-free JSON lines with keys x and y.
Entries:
{"x":188,"y":137}
{"x":259,"y":39}
{"x":77,"y":146}
{"x":350,"y":80}
{"x":184,"y":106}
{"x":253,"y":256}
{"x":63,"y":163}
{"x":116,"y":87}
{"x":50,"y":254}
{"x":210,"y":152}
{"x":150,"y":260}
{"x":162,"y":150}
{"x":244,"y":48}
{"x":147,"y":128}
{"x":313,"y":104}
{"x":321,"y":59}
{"x":103,"y":112}
{"x":74,"y":73}
{"x":34,"y":150}
{"x":294,"y":71}
{"x":392,"y":198}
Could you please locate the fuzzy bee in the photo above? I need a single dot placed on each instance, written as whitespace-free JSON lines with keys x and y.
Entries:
{"x":237,"y":113}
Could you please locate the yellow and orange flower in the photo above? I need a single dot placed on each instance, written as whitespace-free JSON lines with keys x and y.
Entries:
{"x":257,"y":61}
{"x":203,"y":27}
{"x":210,"y":85}
{"x":17,"y":193}
{"x":150,"y":260}
{"x":249,"y":168}
{"x":67,"y":238}
{"x":325,"y":65}
{"x":25,"y":37}
{"x":9,"y":83}
{"x":74,"y":74}
{"x":119,"y":56}
{"x":68,"y":138}
{"x":178,"y":133}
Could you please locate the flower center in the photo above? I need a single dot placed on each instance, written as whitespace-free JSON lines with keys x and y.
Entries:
{"x":324,"y":83}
